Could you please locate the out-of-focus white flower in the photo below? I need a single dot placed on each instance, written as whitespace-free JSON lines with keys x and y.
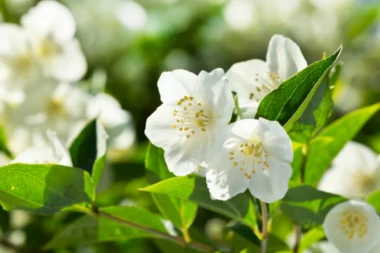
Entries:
{"x":169,"y":226}
{"x":17,"y":64}
{"x":376,"y":248}
{"x":254,"y":79}
{"x":322,"y":247}
{"x":61,"y":108}
{"x":131,"y":14}
{"x":191,"y":123}
{"x":352,"y":227}
{"x":239,"y":14}
{"x":256,"y":155}
{"x":57,"y":153}
{"x":4,"y":160}
{"x":355,"y":172}
{"x":51,"y":28}
{"x":117,"y":122}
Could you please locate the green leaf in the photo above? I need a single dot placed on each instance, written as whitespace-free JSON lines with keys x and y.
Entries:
{"x":43,"y":189}
{"x":194,"y":189}
{"x":374,"y":200}
{"x":312,"y":236}
{"x":155,"y":162}
{"x":91,"y":230}
{"x":307,"y":206}
{"x":363,"y":20}
{"x":287,"y":103}
{"x":181,"y":212}
{"x":88,"y":150}
{"x":326,"y":146}
{"x":3,"y":143}
{"x":274,"y":243}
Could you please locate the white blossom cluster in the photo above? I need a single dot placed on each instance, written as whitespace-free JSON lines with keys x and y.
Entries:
{"x":41,"y":63}
{"x":353,"y":226}
{"x":193,"y":125}
{"x":193,"y":128}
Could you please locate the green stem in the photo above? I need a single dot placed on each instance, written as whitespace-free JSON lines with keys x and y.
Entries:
{"x":238,"y":111}
{"x":264,"y":231}
{"x":298,"y":228}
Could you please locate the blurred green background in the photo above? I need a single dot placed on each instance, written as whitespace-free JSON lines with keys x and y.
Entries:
{"x":128,"y":44}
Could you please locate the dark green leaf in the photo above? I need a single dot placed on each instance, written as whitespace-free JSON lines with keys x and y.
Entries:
{"x":88,"y":150}
{"x":43,"y":189}
{"x":3,"y":143}
{"x":312,"y":236}
{"x":307,"y":206}
{"x":332,"y":139}
{"x":287,"y":103}
{"x":194,"y":189}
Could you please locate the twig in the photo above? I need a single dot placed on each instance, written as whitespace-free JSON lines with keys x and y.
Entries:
{"x":179,"y":240}
{"x":264,"y":231}
{"x":298,"y":239}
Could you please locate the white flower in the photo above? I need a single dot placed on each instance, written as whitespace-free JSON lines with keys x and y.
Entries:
{"x":254,"y":79}
{"x":4,"y":160}
{"x":61,"y":108}
{"x":56,"y":153}
{"x":355,"y":172}
{"x":256,"y":155}
{"x":117,"y":122}
{"x":51,"y":29}
{"x":352,"y":227}
{"x":191,"y":123}
{"x":17,"y":64}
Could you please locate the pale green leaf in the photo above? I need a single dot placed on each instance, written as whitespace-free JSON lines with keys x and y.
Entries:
{"x":43,"y":189}
{"x":326,"y":146}
{"x":194,"y":189}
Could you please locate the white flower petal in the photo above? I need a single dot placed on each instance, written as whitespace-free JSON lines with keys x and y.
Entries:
{"x":194,"y":116}
{"x":176,"y":84}
{"x":70,"y":64}
{"x":352,"y":226}
{"x":35,"y":156}
{"x":271,"y":184}
{"x":245,"y":162}
{"x":251,"y":82}
{"x":284,"y":57}
{"x":215,"y":87}
{"x":223,"y":180}
{"x":50,"y":19}
{"x":55,"y":154}
{"x":14,"y":40}
{"x":355,"y":172}
{"x":4,"y":160}
{"x":60,"y":152}
{"x":180,"y":160}
{"x":376,"y":248}
{"x":102,"y":103}
{"x":275,"y":139}
{"x":159,"y":128}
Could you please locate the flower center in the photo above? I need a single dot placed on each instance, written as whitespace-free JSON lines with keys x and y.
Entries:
{"x":366,"y":183}
{"x":354,"y":223}
{"x":55,"y":107}
{"x":264,"y":85}
{"x":249,"y":157}
{"x":22,"y":63}
{"x":190,"y":116}
{"x":47,"y":48}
